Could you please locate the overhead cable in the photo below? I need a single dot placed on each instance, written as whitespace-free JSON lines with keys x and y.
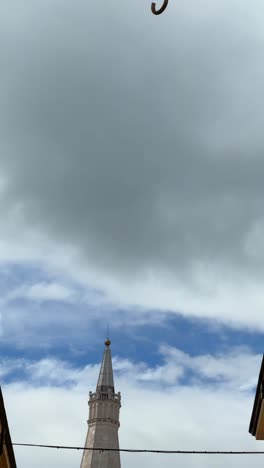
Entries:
{"x":175,"y":452}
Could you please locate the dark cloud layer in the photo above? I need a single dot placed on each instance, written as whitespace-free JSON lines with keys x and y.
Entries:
{"x":137,"y":139}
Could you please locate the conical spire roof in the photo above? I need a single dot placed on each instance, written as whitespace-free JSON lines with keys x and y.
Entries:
{"x":106,"y":378}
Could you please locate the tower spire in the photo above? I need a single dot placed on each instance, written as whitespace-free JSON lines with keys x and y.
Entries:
{"x":106,"y":378}
{"x":103,"y":423}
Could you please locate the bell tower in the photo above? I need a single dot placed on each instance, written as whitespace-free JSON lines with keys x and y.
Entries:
{"x":103,"y":423}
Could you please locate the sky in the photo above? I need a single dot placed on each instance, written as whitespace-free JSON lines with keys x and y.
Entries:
{"x":131,"y":197}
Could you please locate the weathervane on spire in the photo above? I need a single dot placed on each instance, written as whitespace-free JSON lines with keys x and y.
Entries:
{"x":107,"y":341}
{"x":161,"y":10}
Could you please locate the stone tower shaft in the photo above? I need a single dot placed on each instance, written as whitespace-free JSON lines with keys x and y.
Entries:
{"x":103,"y":423}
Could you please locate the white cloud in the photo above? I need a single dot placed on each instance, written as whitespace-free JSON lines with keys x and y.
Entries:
{"x":218,"y":295}
{"x":195,"y":416}
{"x":42,"y":292}
{"x":237,"y":367}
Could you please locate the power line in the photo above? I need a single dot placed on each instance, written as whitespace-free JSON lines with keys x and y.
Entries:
{"x":176,"y":452}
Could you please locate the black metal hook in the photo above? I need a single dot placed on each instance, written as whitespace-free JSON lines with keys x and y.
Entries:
{"x":161,"y":10}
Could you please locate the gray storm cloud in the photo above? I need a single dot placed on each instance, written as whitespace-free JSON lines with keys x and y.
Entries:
{"x":137,"y":140}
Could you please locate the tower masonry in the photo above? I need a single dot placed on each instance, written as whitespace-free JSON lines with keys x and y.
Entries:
{"x":103,"y":423}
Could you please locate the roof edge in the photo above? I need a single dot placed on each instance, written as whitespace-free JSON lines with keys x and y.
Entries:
{"x":257,"y":402}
